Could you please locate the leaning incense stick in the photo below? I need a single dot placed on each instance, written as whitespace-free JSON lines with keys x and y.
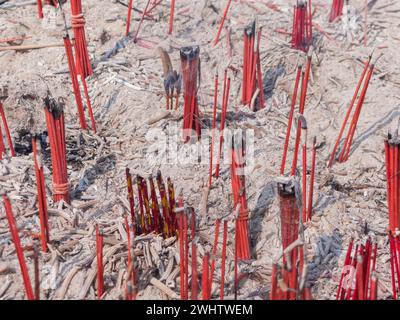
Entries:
{"x":18,"y":248}
{"x":290,"y":120}
{"x":221,"y":25}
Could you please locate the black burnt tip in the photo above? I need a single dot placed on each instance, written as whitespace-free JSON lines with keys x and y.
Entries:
{"x":250,"y":30}
{"x":55,"y":107}
{"x":190,"y":52}
{"x":286,"y":189}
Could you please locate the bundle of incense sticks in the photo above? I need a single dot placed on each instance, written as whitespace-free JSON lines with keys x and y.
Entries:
{"x":18,"y":248}
{"x":100,"y":270}
{"x":41,"y":190}
{"x":54,"y":112}
{"x":190,"y":62}
{"x":221,"y":25}
{"x":336,"y":10}
{"x":302,"y":25}
{"x":152,"y":217}
{"x":8,"y":135}
{"x":75,"y":85}
{"x":392,"y":146}
{"x":252,"y":81}
{"x":358,"y":279}
{"x":205,"y":277}
{"x":40,"y":9}
{"x":303,"y":94}
{"x":53,"y":3}
{"x":289,"y":213}
{"x":83,"y":65}
{"x":394,"y":247}
{"x":239,"y":199}
{"x":128,"y":18}
{"x":289,"y":279}
{"x":365,"y":78}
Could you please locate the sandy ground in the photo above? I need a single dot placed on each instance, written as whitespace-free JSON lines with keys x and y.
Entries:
{"x":126,"y":91}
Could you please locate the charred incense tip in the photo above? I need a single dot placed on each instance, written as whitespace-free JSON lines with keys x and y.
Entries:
{"x":287,"y":188}
{"x":54,"y":107}
{"x":303,"y":122}
{"x":250,"y":30}
{"x":373,"y":63}
{"x":371,"y":54}
{"x":314,"y":141}
{"x":310,"y":52}
{"x":190,"y":53}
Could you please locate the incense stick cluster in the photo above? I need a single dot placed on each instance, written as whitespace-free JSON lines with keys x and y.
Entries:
{"x":242,"y":237}
{"x":208,"y":260}
{"x":289,"y":279}
{"x":392,"y":163}
{"x":394,"y":248}
{"x":364,"y":80}
{"x":53,"y":3}
{"x":83,"y":66}
{"x":301,"y":134}
{"x":54,"y":112}
{"x":358,"y":280}
{"x":392,"y":146}
{"x":252,"y":83}
{"x":152,"y":217}
{"x":190,"y":62}
{"x":73,"y":71}
{"x":336,"y":10}
{"x":7,"y":133}
{"x":302,"y":25}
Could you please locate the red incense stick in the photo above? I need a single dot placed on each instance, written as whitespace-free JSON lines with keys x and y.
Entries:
{"x":100,"y":271}
{"x":205,"y":278}
{"x":128,"y":19}
{"x":214,"y":253}
{"x":291,"y":113}
{"x":223,"y":259}
{"x":41,"y":190}
{"x":171,"y":16}
{"x":350,"y":108}
{"x":141,"y":21}
{"x":18,"y":248}
{"x":84,"y":67}
{"x":213,"y":130}
{"x":312,"y":178}
{"x":7,"y":130}
{"x":221,"y":25}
